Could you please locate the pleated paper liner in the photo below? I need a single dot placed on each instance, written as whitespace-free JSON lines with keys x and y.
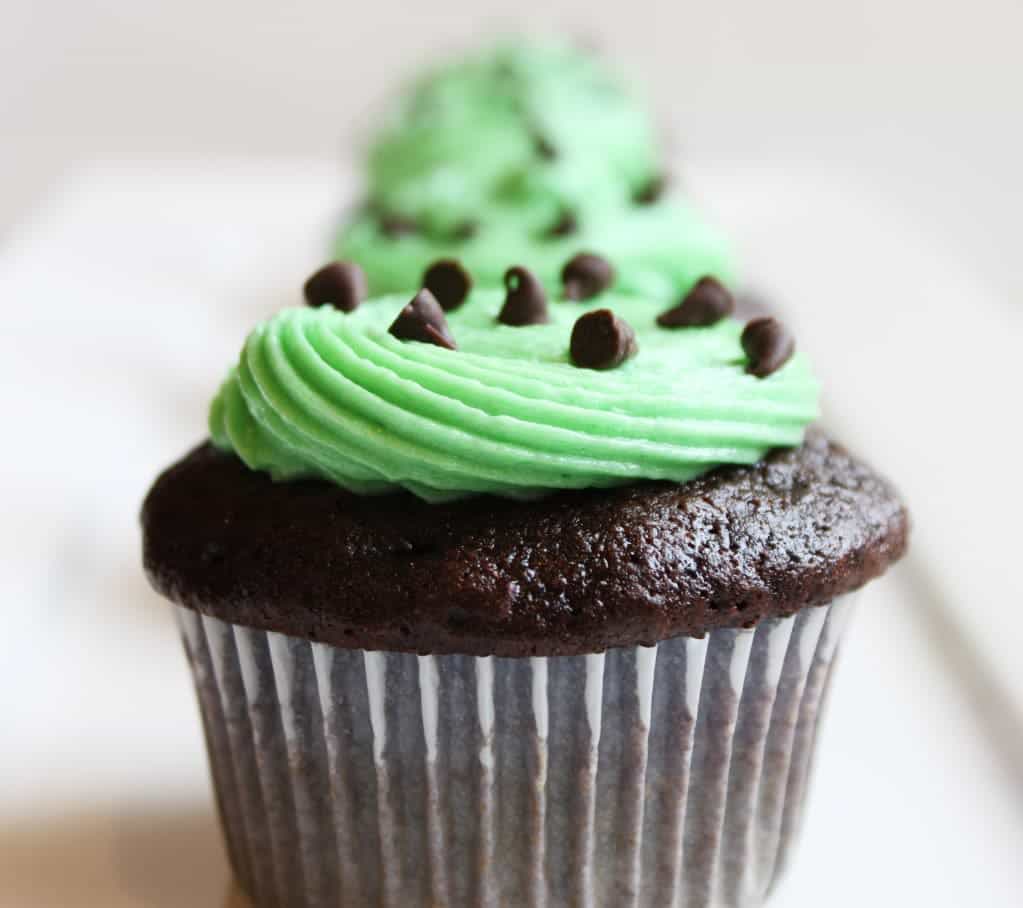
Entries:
{"x":669,"y":776}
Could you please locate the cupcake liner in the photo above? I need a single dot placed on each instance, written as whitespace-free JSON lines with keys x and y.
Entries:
{"x":671,"y":775}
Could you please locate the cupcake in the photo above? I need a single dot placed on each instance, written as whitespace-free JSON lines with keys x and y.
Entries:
{"x":512,"y":595}
{"x":526,"y":154}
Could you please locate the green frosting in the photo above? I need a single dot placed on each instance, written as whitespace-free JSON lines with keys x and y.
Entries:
{"x":321,"y":393}
{"x":658,"y":250}
{"x":469,"y":136}
{"x":485,"y":157}
{"x":466,"y":149}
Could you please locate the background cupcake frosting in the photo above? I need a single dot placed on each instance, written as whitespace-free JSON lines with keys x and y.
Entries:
{"x":523,"y":155}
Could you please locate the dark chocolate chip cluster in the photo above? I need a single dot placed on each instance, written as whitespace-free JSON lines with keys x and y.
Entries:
{"x":600,"y":339}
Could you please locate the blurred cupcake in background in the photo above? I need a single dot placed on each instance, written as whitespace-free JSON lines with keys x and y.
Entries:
{"x":527,"y":153}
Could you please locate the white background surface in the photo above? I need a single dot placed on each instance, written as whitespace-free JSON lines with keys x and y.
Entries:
{"x":133,"y":286}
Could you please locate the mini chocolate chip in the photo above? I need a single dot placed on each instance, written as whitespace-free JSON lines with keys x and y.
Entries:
{"x":526,"y":301}
{"x":423,"y":320}
{"x":464,"y":231}
{"x":394,"y":225}
{"x":651,"y":191}
{"x":449,"y":282}
{"x":544,"y":149}
{"x":767,"y":345}
{"x":565,"y":225}
{"x":601,"y":340}
{"x":585,"y":275}
{"x":339,"y":284}
{"x":706,"y":303}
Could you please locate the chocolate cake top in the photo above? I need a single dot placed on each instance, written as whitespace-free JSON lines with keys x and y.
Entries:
{"x":575,"y":572}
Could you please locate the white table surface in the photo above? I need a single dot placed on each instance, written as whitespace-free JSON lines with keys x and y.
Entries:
{"x":128,"y":293}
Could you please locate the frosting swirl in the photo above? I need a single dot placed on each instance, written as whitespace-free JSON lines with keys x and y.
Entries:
{"x":536,"y":126}
{"x":322,"y":393}
{"x":487,"y":156}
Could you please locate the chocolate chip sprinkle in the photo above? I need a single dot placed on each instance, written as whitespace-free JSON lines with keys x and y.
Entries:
{"x":565,"y":225}
{"x":651,"y":191}
{"x":449,"y":282}
{"x":422,"y":319}
{"x":585,"y":275}
{"x":395,"y":225}
{"x":767,"y":345}
{"x":338,"y":284}
{"x":601,"y":340}
{"x":706,"y":303}
{"x":526,"y":301}
{"x":465,"y":231}
{"x":544,"y":149}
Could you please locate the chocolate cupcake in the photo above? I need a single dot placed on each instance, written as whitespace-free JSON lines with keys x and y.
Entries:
{"x":523,"y":598}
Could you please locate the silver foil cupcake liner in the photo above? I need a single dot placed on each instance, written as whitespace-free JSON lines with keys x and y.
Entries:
{"x":669,"y":776}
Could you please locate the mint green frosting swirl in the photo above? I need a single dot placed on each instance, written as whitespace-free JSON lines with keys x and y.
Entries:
{"x":461,"y":149}
{"x":321,"y":393}
{"x":465,"y":138}
{"x":658,"y":250}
